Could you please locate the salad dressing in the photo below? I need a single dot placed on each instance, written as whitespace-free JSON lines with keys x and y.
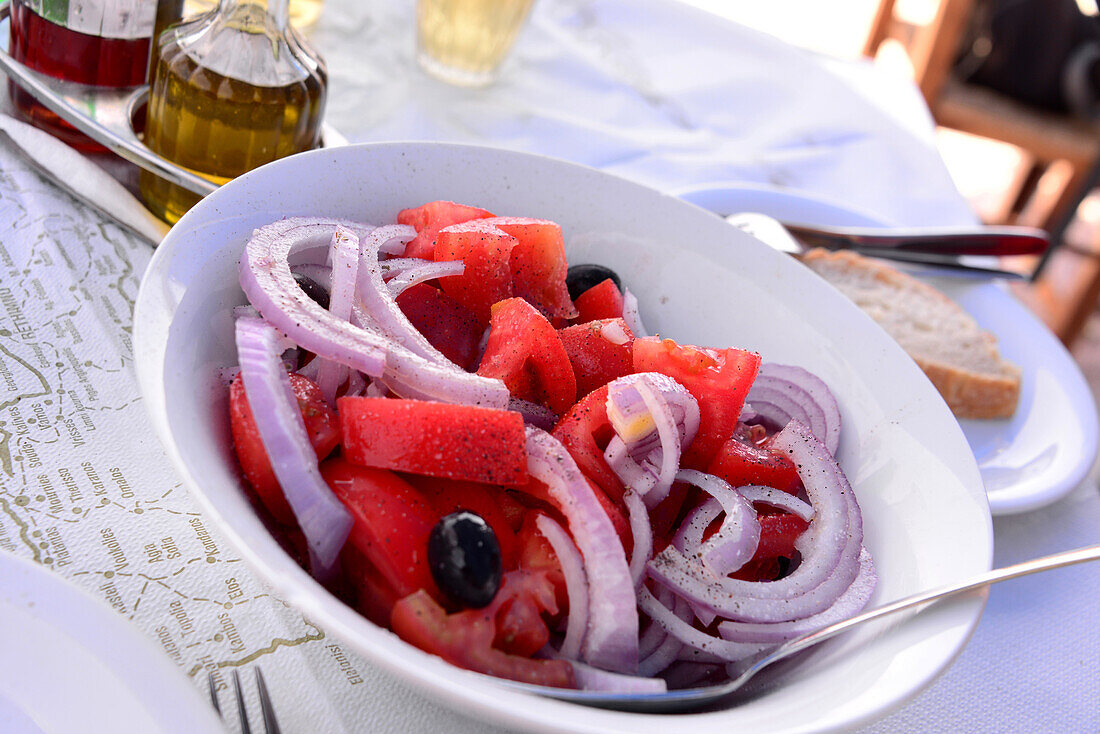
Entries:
{"x":233,"y":89}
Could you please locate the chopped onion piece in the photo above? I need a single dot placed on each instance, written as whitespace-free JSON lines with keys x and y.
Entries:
{"x":576,"y":584}
{"x":688,"y":635}
{"x":736,"y":541}
{"x":611,"y":641}
{"x":270,"y":287}
{"x":830,"y":549}
{"x":778,"y":499}
{"x":345,"y":267}
{"x":642,"y":534}
{"x":631,"y":316}
{"x":782,"y":393}
{"x":426,"y":271}
{"x":614,"y":332}
{"x":322,"y":518}
{"x":589,"y":678}
{"x":534,"y":414}
{"x":850,"y":603}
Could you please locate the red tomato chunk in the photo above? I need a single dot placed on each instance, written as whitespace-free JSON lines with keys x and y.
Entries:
{"x":436,"y":439}
{"x":596,"y":358}
{"x":718,"y":378}
{"x":447,"y":326}
{"x":601,"y":301}
{"x":524,"y":351}
{"x":321,"y":425}
{"x":428,"y":219}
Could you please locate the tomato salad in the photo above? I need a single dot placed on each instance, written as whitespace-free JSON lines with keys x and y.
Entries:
{"x":480,"y":449}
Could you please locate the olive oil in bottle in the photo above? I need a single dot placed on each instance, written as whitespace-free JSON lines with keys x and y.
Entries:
{"x":233,"y":89}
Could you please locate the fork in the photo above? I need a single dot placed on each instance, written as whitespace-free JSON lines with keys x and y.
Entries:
{"x":271,"y":725}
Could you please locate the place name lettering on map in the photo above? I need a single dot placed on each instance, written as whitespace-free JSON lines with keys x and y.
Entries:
{"x":179,"y":612}
{"x":98,"y":488}
{"x":110,"y":593}
{"x":344,"y":664}
{"x":81,"y":374}
{"x":41,"y":294}
{"x":17,"y":420}
{"x":170,"y":550}
{"x":19,"y":321}
{"x":74,"y":433}
{"x":236,"y":644}
{"x":124,"y":489}
{"x":114,"y":548}
{"x":61,"y":555}
{"x":169,"y":645}
{"x":41,"y":418}
{"x":208,"y":544}
{"x":75,"y":495}
{"x":30,"y":456}
{"x":46,"y":487}
{"x":233,"y":588}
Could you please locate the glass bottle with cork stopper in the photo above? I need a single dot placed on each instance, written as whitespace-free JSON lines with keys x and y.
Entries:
{"x":233,"y":89}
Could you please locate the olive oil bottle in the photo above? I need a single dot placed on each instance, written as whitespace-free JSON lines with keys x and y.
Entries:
{"x":233,"y":89}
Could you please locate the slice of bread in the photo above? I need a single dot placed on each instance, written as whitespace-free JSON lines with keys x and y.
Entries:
{"x":959,"y":357}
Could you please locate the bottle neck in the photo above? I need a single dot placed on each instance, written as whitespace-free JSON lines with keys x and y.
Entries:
{"x":278,"y":11}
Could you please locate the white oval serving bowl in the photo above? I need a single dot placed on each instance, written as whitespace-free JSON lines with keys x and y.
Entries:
{"x":698,"y":280}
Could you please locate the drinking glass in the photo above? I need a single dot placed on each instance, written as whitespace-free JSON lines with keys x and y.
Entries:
{"x":464,"y":41}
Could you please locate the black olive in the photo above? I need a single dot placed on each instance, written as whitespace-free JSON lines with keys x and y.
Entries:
{"x":464,"y":557}
{"x":580,"y":278}
{"x":313,"y":289}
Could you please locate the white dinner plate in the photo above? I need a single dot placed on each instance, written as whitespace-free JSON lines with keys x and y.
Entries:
{"x":1027,"y":461}
{"x":70,"y":663}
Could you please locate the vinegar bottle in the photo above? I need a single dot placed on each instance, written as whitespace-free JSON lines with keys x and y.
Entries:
{"x":233,"y":89}
{"x":101,"y":43}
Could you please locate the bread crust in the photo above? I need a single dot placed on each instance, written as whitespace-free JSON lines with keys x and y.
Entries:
{"x":969,"y":393}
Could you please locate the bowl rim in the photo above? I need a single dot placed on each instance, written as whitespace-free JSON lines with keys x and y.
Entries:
{"x":478,"y":694}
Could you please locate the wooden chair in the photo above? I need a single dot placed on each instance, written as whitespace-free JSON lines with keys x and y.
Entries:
{"x":1062,"y":156}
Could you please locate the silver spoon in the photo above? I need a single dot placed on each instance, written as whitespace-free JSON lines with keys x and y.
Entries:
{"x":693,"y":698}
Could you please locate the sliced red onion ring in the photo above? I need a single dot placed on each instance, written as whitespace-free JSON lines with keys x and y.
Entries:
{"x":785,"y":392}
{"x":631,"y":316}
{"x":594,"y":679}
{"x":736,"y":541}
{"x":414,"y":368}
{"x":267,"y":281}
{"x":377,"y":300}
{"x":427,"y":270}
{"x":850,"y":603}
{"x":778,"y":499}
{"x":534,"y":414}
{"x":642,"y":533}
{"x":576,"y":584}
{"x":654,"y":634}
{"x":611,"y":641}
{"x":653,"y":417}
{"x":345,"y":268}
{"x":669,"y":650}
{"x":356,"y":384}
{"x":829,"y":548}
{"x":322,"y":518}
{"x":688,"y":635}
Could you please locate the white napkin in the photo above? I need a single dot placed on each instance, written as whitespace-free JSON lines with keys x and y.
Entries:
{"x":83,"y":179}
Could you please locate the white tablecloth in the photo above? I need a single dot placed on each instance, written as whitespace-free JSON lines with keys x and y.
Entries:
{"x":666,"y":95}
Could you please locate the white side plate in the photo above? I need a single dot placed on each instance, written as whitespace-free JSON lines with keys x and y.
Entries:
{"x":1027,"y":461}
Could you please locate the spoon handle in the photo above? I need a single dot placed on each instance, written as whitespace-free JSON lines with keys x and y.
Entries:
{"x":1046,"y":563}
